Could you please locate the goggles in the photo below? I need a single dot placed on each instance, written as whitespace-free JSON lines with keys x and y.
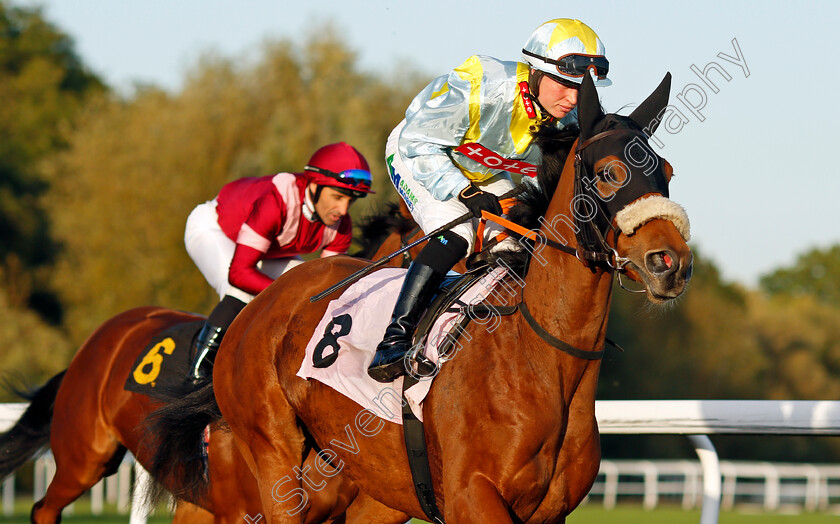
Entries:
{"x":575,"y":66}
{"x":350,"y":177}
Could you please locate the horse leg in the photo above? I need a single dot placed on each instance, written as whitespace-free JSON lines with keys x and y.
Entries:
{"x":279,"y":475}
{"x":365,"y":510}
{"x":272,"y":445}
{"x":479,"y":501}
{"x":78,"y":468}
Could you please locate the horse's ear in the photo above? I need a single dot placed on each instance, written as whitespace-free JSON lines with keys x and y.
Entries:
{"x":647,"y":114}
{"x":589,"y":107}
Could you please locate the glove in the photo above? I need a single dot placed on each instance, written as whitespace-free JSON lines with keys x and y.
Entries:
{"x":477,"y":200}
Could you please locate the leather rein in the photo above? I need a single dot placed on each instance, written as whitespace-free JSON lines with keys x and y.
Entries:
{"x":609,"y":257}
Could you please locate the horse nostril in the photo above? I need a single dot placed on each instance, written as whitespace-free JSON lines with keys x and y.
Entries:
{"x":659,"y":262}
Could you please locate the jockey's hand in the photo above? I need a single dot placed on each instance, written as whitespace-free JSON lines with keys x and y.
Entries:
{"x":477,"y":201}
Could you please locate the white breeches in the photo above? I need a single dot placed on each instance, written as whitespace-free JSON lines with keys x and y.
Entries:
{"x":212,"y":251}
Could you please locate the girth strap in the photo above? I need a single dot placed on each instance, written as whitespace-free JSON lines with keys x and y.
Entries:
{"x":418,"y":457}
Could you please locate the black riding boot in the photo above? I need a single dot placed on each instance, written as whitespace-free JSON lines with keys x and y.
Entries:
{"x":207,"y":343}
{"x":424,"y":276}
{"x":210,"y":336}
{"x":419,"y":286}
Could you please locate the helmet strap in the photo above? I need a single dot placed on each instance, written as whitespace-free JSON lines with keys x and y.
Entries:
{"x":317,"y":195}
{"x":314,"y":197}
{"x":534,"y":77}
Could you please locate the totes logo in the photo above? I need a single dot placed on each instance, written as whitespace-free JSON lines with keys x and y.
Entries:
{"x":402,"y":188}
{"x":526,"y":100}
{"x":485,"y":157}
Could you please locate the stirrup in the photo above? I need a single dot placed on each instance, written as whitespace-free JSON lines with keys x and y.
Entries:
{"x":422,"y":368}
{"x":425,"y":367}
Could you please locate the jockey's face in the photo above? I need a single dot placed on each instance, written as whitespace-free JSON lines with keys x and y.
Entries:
{"x":556,"y":98}
{"x":331,"y":205}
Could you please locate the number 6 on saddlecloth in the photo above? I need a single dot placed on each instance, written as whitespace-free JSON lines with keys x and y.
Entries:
{"x":155,"y":359}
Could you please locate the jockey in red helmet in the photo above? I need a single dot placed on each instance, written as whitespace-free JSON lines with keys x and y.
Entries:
{"x":257,"y":228}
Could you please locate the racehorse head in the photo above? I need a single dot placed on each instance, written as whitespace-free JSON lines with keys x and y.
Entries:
{"x":616,"y":191}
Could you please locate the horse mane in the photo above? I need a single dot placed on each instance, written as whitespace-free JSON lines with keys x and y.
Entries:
{"x":555,"y":145}
{"x":375,"y":228}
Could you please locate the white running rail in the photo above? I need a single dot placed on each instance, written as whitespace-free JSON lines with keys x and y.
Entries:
{"x":697,"y":419}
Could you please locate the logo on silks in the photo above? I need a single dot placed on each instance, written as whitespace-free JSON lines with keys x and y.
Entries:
{"x":478,"y":153}
{"x":402,"y":188}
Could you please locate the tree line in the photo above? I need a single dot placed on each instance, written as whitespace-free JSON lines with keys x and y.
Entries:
{"x":95,"y":189}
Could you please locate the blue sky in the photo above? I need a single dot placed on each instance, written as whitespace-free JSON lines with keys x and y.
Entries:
{"x":753,"y":165}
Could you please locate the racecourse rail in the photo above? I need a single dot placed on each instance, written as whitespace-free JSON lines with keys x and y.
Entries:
{"x":696,"y":419}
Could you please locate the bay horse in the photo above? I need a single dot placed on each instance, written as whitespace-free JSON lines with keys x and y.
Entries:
{"x":510,"y":420}
{"x":89,"y":420}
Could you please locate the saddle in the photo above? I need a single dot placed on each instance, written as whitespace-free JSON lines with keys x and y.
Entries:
{"x":446,"y":300}
{"x":164,"y":362}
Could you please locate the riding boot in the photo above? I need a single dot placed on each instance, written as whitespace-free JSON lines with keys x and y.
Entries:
{"x":421,"y":283}
{"x":207,"y":343}
{"x":210,"y":336}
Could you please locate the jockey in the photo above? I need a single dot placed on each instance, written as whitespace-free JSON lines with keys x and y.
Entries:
{"x":461,"y":138}
{"x":256,"y":228}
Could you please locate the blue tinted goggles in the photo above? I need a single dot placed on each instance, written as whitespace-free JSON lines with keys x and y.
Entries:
{"x":351,"y":177}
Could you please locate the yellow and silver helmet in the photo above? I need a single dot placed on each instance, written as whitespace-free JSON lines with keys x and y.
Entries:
{"x":566,"y":49}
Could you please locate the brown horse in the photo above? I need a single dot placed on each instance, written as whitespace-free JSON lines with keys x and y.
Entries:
{"x":89,"y":420}
{"x":95,"y":420}
{"x":510,"y":420}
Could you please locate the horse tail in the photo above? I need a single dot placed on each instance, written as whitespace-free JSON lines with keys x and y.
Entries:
{"x":31,"y":432}
{"x":180,"y":457}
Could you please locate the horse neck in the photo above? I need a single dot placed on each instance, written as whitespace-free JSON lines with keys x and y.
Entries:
{"x":567,"y":298}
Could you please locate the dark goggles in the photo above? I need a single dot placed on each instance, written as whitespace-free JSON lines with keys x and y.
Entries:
{"x":575,"y":66}
{"x":351,"y":177}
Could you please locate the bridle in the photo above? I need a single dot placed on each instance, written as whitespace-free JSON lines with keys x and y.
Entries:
{"x":590,"y":236}
{"x":593,"y":248}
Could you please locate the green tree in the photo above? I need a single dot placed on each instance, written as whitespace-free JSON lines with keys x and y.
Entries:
{"x":137,"y":167}
{"x":699,"y":347}
{"x":815,"y":273}
{"x":32,"y":349}
{"x":722,"y":341}
{"x":42,"y":85}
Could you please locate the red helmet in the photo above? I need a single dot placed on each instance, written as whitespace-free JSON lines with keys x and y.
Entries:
{"x":340,"y":166}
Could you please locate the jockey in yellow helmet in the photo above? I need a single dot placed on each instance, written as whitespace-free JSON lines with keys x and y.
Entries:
{"x":462,"y":137}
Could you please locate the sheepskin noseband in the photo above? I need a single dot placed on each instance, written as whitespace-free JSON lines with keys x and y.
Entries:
{"x":646,"y":209}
